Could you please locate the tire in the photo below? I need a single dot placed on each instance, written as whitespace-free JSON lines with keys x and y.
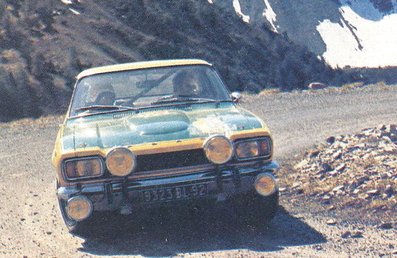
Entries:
{"x":255,"y":210}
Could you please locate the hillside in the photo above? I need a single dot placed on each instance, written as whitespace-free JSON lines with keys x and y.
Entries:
{"x":44,"y":44}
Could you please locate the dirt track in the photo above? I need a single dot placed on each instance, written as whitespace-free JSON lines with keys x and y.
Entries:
{"x":30,"y":223}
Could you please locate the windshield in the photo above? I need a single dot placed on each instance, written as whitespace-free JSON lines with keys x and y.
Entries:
{"x":143,"y":88}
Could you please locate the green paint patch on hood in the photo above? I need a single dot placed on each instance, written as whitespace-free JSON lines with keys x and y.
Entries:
{"x":155,"y":125}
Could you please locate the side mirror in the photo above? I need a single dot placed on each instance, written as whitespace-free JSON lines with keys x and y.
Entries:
{"x":236,"y":97}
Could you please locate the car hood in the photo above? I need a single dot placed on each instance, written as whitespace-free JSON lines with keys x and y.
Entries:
{"x":154,"y":125}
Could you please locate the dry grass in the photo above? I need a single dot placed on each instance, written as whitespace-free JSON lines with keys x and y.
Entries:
{"x":29,"y":122}
{"x":352,"y":86}
{"x":270,"y":91}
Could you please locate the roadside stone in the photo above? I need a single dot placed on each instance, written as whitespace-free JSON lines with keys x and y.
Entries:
{"x":318,"y":247}
{"x":338,"y":188}
{"x":363,"y":196}
{"x":330,"y":140}
{"x":389,"y":191}
{"x":317,"y":85}
{"x":299,"y":191}
{"x":385,"y":225}
{"x":381,"y":127}
{"x":313,"y":153}
{"x":346,"y":234}
{"x":362,"y":180}
{"x":331,"y":222}
{"x":326,"y":167}
{"x":391,"y":129}
{"x":356,"y":191}
{"x":357,"y":234}
{"x":282,"y":189}
{"x":331,"y":208}
{"x":326,"y":198}
{"x":341,"y":167}
{"x":337,"y":154}
{"x":373,"y":192}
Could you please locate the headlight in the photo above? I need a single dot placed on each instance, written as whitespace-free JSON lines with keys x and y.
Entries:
{"x":247,"y":150}
{"x":120,"y":161}
{"x":254,"y":148}
{"x":218,"y":149}
{"x":83,"y":168}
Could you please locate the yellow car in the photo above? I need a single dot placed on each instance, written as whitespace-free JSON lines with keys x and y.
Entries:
{"x":143,"y":135}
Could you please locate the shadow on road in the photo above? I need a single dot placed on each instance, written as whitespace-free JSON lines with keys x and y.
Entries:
{"x":166,"y":234}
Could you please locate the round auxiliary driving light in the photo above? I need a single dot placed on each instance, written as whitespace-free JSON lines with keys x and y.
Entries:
{"x":218,"y":149}
{"x":120,"y":161}
{"x":265,"y":184}
{"x":79,"y":208}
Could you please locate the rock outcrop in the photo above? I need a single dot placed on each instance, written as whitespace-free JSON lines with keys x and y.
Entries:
{"x":358,"y":171}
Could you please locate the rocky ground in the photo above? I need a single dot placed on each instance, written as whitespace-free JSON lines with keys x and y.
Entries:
{"x":354,"y":172}
{"x":305,"y":226}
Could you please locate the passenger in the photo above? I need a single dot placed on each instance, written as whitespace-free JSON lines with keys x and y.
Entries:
{"x":105,"y":98}
{"x":101,"y":95}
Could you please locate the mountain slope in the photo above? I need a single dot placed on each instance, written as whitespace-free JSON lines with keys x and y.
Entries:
{"x":44,"y":44}
{"x":346,"y":33}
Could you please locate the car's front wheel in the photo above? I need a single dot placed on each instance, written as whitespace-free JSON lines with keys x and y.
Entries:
{"x":255,"y":210}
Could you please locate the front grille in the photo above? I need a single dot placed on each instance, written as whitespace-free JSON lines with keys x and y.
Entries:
{"x":171,"y":160}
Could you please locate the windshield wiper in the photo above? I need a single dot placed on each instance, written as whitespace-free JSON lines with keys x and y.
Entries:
{"x":104,"y":107}
{"x":173,"y":98}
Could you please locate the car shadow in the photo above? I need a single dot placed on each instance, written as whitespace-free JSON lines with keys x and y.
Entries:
{"x":168,"y":234}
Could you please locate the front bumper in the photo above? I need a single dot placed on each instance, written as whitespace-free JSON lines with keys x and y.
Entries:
{"x":222,"y":183}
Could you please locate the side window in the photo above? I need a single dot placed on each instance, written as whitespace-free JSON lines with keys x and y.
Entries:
{"x":216,"y":84}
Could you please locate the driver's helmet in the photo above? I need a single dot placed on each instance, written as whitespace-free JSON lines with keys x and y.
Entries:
{"x":101,"y":94}
{"x":186,"y":83}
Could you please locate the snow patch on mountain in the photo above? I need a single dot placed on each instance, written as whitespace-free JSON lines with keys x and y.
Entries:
{"x":237,"y":8}
{"x":346,"y":33}
{"x":365,"y":37}
{"x":270,"y":15}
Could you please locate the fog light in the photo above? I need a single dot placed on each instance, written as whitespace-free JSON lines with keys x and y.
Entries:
{"x":218,"y":149}
{"x":79,"y":208}
{"x":120,"y":161}
{"x":265,"y":184}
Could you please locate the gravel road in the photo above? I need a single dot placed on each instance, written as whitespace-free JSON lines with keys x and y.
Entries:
{"x":30,"y":223}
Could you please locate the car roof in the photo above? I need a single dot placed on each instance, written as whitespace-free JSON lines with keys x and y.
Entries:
{"x":139,"y":65}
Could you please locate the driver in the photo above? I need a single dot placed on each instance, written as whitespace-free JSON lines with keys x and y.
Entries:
{"x":186,"y":83}
{"x":105,"y":98}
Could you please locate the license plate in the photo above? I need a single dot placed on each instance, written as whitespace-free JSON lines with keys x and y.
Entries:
{"x":174,"y":193}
